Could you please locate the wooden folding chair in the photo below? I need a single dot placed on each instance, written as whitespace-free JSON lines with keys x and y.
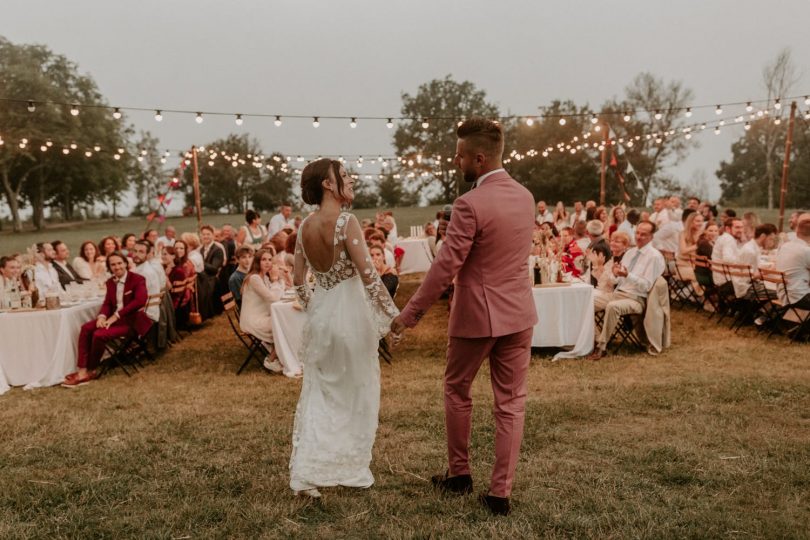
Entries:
{"x":681,"y":291}
{"x":709,"y":290}
{"x":254,"y":346}
{"x":725,"y":291}
{"x":797,"y":318}
{"x":742,"y":309}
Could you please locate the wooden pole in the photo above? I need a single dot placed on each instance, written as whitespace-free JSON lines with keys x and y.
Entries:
{"x":195,"y":172}
{"x":786,"y":166}
{"x":604,"y":164}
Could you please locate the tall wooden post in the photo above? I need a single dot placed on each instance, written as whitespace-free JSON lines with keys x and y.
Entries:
{"x":196,"y":175}
{"x":786,"y":166}
{"x":604,"y":164}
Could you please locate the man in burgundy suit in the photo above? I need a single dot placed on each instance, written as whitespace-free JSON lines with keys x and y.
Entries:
{"x":121,"y":314}
{"x":492,"y":314}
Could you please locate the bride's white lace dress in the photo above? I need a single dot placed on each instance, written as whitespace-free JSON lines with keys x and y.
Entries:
{"x":347,"y":314}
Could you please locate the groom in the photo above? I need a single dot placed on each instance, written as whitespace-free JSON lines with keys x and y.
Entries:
{"x":487,"y":249}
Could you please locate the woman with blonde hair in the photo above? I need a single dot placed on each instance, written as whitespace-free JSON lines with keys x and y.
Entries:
{"x":192,"y":241}
{"x":687,"y":249}
{"x":560,"y":216}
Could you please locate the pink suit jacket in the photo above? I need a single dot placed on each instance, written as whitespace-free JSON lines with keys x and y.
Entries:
{"x":135,"y":297}
{"x":487,"y":248}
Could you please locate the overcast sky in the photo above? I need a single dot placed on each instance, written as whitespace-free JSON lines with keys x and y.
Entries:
{"x":356,"y":57}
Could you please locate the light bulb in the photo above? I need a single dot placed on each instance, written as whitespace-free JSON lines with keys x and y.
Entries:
{"x":389,"y":124}
{"x":65,"y":151}
{"x":74,"y":110}
{"x":777,"y":121}
{"x":626,"y":117}
{"x":211,"y":163}
{"x":238,"y":120}
{"x":807,"y":100}
{"x":747,"y":126}
{"x":597,"y":128}
{"x":48,"y":144}
{"x":117,"y":113}
{"x":73,"y":146}
{"x":158,"y":116}
{"x":353,"y":123}
{"x":778,"y":104}
{"x":688,"y":112}
{"x":562,"y":121}
{"x":425,"y":124}
{"x":687,"y":136}
{"x":163,"y":160}
{"x":315,"y":122}
{"x":658,"y":115}
{"x":717,"y":130}
{"x":88,"y":153}
{"x":807,"y":115}
{"x":594,"y":119}
{"x":116,"y":157}
{"x":199,"y":118}
{"x":703,"y":125}
{"x":277,"y":121}
{"x":749,"y":107}
{"x":43,"y":148}
{"x":529,"y":121}
{"x":31,"y":106}
{"x":97,"y":148}
{"x":718,"y":110}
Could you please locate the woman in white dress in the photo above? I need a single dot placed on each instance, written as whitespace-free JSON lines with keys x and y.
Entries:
{"x":263,"y":286}
{"x":347,"y":314}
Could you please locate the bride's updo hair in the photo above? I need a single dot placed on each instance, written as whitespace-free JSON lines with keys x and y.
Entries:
{"x":313,"y":176}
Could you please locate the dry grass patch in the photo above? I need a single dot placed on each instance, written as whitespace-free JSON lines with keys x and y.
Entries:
{"x":711,"y":439}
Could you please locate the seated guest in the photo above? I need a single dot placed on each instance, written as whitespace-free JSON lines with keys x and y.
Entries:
{"x":151,"y":235}
{"x":279,"y":244}
{"x":603,"y":269}
{"x":121,"y":315}
{"x":581,"y":235}
{"x":750,"y":223}
{"x":154,"y":281}
{"x":544,"y":215}
{"x":213,"y":256}
{"x":253,"y":232}
{"x":764,"y":239}
{"x":688,"y":247}
{"x":617,"y":217}
{"x":183,"y":283}
{"x":596,"y":235}
{"x":168,"y":238}
{"x":628,"y":226}
{"x":45,"y":274}
{"x":668,"y":233}
{"x":289,"y":251}
{"x":365,"y":223}
{"x":429,"y":231}
{"x":85,"y":264}
{"x":387,"y":274}
{"x":67,"y":274}
{"x":705,"y":246}
{"x":244,"y":257}
{"x":635,"y":276}
{"x":727,"y":249}
{"x":560,"y":218}
{"x":262,"y":287}
{"x":793,"y":258}
{"x":192,"y":242}
{"x":107,"y":246}
{"x":10,"y":270}
{"x":377,"y":239}
{"x":441,"y":234}
{"x":571,"y":252}
{"x":127,"y":242}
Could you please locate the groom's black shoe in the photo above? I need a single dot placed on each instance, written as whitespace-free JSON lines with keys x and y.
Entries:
{"x":497,"y":505}
{"x":461,"y":484}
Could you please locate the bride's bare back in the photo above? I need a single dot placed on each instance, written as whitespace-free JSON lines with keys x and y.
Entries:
{"x":318,"y":238}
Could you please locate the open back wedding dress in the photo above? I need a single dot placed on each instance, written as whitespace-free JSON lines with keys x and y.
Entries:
{"x":347,"y":314}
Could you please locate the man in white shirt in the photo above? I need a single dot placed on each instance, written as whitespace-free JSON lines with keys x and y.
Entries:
{"x":764,"y":240}
{"x":675,"y":208}
{"x":44,"y":273}
{"x":280,"y":221}
{"x":154,"y":281}
{"x":793,"y":258}
{"x":727,"y":247}
{"x":660,"y":213}
{"x":579,"y":214}
{"x":640,"y":267}
{"x":168,"y":238}
{"x":667,"y":236}
{"x":64,"y":270}
{"x":544,"y":215}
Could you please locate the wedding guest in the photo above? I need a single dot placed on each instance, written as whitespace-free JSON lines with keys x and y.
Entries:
{"x":244,"y":257}
{"x":693,"y":203}
{"x":750,"y":223}
{"x":213,"y":256}
{"x":705,"y":246}
{"x":792,"y":222}
{"x":387,"y":274}
{"x":108,"y":245}
{"x":581,"y":235}
{"x":641,"y":266}
{"x":289,"y":251}
{"x":182,"y":278}
{"x":660,"y":214}
{"x":579,"y":214}
{"x":628,"y":226}
{"x":675,"y":208}
{"x":390,"y":228}
{"x":366,"y":223}
{"x":571,"y":251}
{"x":441,"y":235}
{"x":279,"y":243}
{"x":121,"y":315}
{"x":429,"y":230}
{"x":167,"y":257}
{"x":192,"y":242}
{"x":67,"y":274}
{"x":10,"y":271}
{"x":253,"y":232}
{"x":688,"y":247}
{"x":85,"y":264}
{"x":561,"y":218}
{"x":126,"y":244}
{"x":151,"y":235}
{"x":45,"y":274}
{"x":377,"y":239}
{"x":617,"y":217}
{"x":297,"y":222}
{"x":793,"y":258}
{"x":596,"y":236}
{"x":168,"y":238}
{"x":262,"y":287}
{"x":281,"y":221}
{"x":603,"y":269}
{"x":144,"y":268}
{"x":727,"y":249}
{"x":667,"y":234}
{"x":764,"y":239}
{"x":544,"y":215}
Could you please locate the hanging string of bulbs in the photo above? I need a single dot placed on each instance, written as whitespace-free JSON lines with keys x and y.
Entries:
{"x":278,"y":119}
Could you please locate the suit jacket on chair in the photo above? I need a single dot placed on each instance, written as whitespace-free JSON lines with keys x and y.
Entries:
{"x":66,"y":276}
{"x":487,"y":250}
{"x":135,"y":297}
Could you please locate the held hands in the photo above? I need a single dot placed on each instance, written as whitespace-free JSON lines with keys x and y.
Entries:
{"x":397,"y":327}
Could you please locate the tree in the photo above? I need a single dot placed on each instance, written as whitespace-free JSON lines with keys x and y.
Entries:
{"x":50,"y":177}
{"x":147,"y":176}
{"x":440,"y":103}
{"x":235,"y":174}
{"x":648,"y":156}
{"x":392,"y":193}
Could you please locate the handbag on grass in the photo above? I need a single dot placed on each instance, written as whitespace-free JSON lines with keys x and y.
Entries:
{"x":194,"y":317}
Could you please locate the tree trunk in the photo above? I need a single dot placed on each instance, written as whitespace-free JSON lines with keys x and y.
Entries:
{"x":38,"y":203}
{"x":13,"y":202}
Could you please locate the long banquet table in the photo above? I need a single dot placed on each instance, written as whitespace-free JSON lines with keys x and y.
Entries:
{"x":38,"y":348}
{"x":417,"y":257}
{"x":565,"y":319}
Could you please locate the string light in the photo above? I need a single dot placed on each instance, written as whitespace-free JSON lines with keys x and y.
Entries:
{"x":389,"y":124}
{"x":749,"y":107}
{"x":562,"y":121}
{"x":777,"y":121}
{"x":777,"y":104}
{"x":74,"y":110}
{"x":117,"y":113}
{"x":719,"y":110}
{"x":626,"y":116}
{"x":747,"y":126}
{"x":425,"y":124}
{"x":315,"y":122}
{"x":158,"y":116}
{"x":238,"y":120}
{"x":277,"y":121}
{"x":594,"y":119}
{"x":529,"y":121}
{"x":353,"y":123}
{"x":31,"y":106}
{"x":717,"y":130}
{"x":658,"y":115}
{"x":65,"y":151}
{"x":199,"y":118}
{"x":807,"y":114}
{"x":688,"y":112}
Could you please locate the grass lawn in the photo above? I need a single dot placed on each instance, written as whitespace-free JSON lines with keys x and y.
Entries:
{"x":76,"y":233}
{"x":709,"y":440}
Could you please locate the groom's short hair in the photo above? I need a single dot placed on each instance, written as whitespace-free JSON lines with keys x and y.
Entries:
{"x":485,"y":136}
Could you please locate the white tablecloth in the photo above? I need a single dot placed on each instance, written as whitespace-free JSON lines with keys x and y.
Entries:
{"x":565,"y":319}
{"x":288,"y":328}
{"x":417,"y":257}
{"x":38,"y":348}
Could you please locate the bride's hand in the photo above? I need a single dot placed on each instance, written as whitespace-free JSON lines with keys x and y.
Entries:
{"x":395,"y":338}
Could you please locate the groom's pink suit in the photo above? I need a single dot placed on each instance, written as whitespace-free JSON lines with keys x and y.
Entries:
{"x":487,"y":249}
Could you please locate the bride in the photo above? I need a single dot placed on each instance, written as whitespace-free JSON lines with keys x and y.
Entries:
{"x":347,"y":314}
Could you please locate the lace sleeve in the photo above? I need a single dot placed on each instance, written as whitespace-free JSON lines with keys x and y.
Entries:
{"x":300,"y":268}
{"x":381,"y":303}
